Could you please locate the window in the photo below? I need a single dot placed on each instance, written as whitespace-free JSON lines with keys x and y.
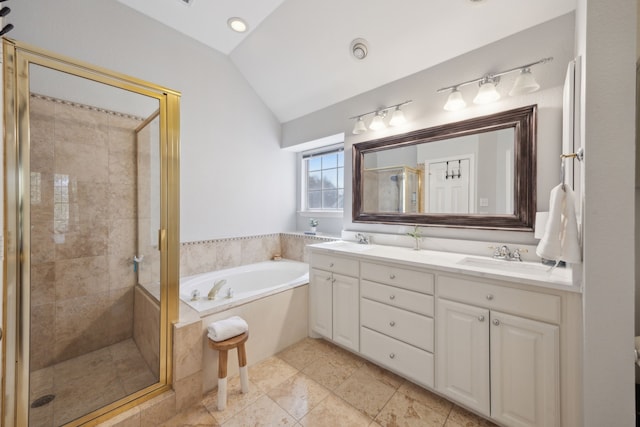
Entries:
{"x":323,"y":180}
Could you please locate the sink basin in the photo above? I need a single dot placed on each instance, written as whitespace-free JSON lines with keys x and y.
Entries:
{"x":348,"y":246}
{"x":507,"y":266}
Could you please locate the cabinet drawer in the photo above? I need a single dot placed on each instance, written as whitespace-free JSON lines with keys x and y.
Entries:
{"x":402,"y":358}
{"x":397,"y":297}
{"x":401,"y":277}
{"x":334,"y":264}
{"x":409,"y":327}
{"x":535,"y":305}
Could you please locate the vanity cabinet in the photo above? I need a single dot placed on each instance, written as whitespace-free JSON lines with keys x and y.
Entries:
{"x":506,"y":347}
{"x":502,"y":364}
{"x":334,"y":290}
{"x":396,"y":319}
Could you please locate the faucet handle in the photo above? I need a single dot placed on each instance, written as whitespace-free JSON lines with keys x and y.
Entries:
{"x":501,"y":252}
{"x":496,"y":251}
{"x":516,"y":254}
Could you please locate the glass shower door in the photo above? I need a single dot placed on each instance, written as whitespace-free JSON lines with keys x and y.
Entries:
{"x":94,"y":176}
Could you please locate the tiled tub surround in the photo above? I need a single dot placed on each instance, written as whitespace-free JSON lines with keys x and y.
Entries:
{"x":83,"y":222}
{"x":211,"y":255}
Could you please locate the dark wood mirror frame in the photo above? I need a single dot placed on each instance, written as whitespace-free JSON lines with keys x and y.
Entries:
{"x":523,"y":120}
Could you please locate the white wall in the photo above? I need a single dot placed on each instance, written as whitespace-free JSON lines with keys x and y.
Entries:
{"x":606,"y":40}
{"x":554,"y":38}
{"x":235,"y":180}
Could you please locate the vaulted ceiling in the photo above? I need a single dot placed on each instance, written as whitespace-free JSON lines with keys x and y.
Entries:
{"x":296,"y":53}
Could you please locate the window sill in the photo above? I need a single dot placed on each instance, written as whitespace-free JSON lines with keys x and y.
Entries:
{"x":321,"y":214}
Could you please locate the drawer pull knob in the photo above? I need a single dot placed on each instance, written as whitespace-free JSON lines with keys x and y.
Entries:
{"x":331,"y":265}
{"x":489,"y":297}
{"x":392,"y":356}
{"x":392,"y":276}
{"x":496,"y":322}
{"x":392,"y":323}
{"x":392,"y":297}
{"x":481,"y":318}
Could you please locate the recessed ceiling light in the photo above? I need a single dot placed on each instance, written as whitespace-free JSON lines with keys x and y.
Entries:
{"x":237,"y":24}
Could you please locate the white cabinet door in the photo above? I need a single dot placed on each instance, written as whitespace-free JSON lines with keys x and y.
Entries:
{"x":346,"y":314}
{"x":525,"y":385}
{"x":320,"y":301}
{"x":462,"y":358}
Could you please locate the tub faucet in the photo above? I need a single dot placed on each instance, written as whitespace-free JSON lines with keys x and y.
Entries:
{"x":216,"y":288}
{"x":362,"y":239}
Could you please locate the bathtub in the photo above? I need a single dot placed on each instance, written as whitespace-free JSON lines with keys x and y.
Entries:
{"x":243,"y":284}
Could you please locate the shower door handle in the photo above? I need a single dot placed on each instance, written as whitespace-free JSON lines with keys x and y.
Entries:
{"x":162,"y":235}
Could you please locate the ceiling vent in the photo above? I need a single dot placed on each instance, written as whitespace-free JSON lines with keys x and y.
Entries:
{"x":359,"y":48}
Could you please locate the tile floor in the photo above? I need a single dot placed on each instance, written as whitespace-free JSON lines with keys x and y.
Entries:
{"x":119,"y":370}
{"x":314,"y":383}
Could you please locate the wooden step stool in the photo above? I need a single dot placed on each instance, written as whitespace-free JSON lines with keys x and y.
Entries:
{"x":223,"y":348}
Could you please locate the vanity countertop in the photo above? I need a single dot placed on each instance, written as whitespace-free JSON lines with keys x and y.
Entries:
{"x":527,"y":273}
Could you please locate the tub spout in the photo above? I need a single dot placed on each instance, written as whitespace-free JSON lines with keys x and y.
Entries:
{"x":216,"y":288}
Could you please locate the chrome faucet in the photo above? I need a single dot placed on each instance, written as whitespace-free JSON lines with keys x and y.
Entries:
{"x":503,"y":252}
{"x":362,"y":239}
{"x":216,"y":288}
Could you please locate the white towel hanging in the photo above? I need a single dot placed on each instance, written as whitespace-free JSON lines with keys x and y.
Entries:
{"x":560,"y":241}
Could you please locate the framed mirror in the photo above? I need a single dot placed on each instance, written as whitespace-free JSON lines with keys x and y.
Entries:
{"x":477,"y":173}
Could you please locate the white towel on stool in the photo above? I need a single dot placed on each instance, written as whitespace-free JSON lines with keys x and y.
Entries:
{"x":560,"y":241}
{"x":227,"y":328}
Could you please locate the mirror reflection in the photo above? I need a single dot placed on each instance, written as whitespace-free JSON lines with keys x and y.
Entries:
{"x":463,"y":175}
{"x":478,"y":173}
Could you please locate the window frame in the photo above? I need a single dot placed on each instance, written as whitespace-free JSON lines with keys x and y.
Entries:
{"x":304,"y":174}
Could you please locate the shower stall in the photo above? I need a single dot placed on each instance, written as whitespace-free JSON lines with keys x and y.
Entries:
{"x":88,"y":200}
{"x":393,"y":189}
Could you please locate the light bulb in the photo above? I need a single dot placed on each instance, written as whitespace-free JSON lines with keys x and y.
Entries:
{"x":397,"y":118}
{"x":359,"y":127}
{"x":377,"y":122}
{"x":487,"y":92}
{"x":455,"y":101}
{"x":525,"y":83}
{"x":237,"y":24}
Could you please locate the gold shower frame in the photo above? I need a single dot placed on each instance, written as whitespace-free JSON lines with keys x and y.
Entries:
{"x":16,"y":264}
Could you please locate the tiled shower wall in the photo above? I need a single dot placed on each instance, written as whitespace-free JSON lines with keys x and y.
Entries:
{"x":83,"y":234}
{"x":211,"y":255}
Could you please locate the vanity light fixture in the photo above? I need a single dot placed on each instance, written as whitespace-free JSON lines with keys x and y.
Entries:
{"x":359,"y":127}
{"x":377,"y":123}
{"x":238,"y":25}
{"x":487,"y":92}
{"x":397,"y":117}
{"x":525,"y":83}
{"x":455,"y":101}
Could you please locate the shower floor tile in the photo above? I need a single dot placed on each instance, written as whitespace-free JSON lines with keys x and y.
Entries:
{"x":88,"y":382}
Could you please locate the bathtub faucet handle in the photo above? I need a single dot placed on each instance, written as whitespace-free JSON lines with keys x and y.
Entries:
{"x":216,"y":288}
